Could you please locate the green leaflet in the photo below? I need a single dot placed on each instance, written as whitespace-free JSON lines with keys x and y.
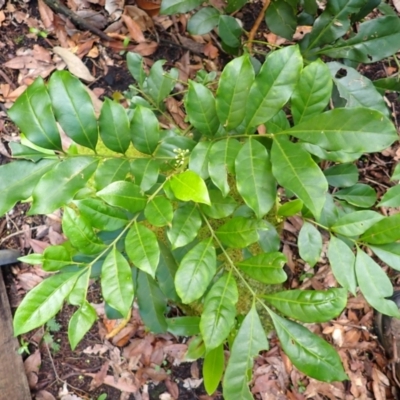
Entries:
{"x":309,"y":305}
{"x":230,"y":31}
{"x":213,"y":368}
{"x":389,"y":254}
{"x":281,"y":19}
{"x":290,"y":208}
{"x":221,"y":207}
{"x":135,"y":64}
{"x":80,"y":323}
{"x":56,"y":257}
{"x":43,"y":301}
{"x":166,"y":271}
{"x":342,"y":175}
{"x":218,"y":317}
{"x":310,"y":244}
{"x":198,"y":160}
{"x":295,"y":170}
{"x":384,"y":231}
{"x":196,"y":271}
{"x":254,"y":179}
{"x":184,"y":326}
{"x":142,"y":248}
{"x":359,"y":195}
{"x":356,"y":223}
{"x":188,"y":186}
{"x":145,"y":172}
{"x":205,"y":20}
{"x":33,"y":115}
{"x":391,"y":198}
{"x":70,"y":176}
{"x":239,"y":232}
{"x":77,"y":296}
{"x":249,"y":341}
{"x":109,"y":171}
{"x":159,"y":211}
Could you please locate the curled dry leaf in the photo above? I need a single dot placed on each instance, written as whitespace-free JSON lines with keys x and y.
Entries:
{"x":114,"y":8}
{"x":139,"y":16}
{"x":151,"y":7}
{"x":210,"y":51}
{"x":146,"y":49}
{"x":134,"y":29}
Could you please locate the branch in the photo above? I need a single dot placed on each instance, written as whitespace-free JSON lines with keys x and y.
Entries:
{"x":257,"y":24}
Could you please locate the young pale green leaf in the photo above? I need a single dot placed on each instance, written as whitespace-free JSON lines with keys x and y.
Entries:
{"x":389,"y":254}
{"x":356,"y":130}
{"x":218,"y":317}
{"x":359,"y":195}
{"x":80,"y":233}
{"x":188,"y":186}
{"x":281,"y":19}
{"x":375,"y":40}
{"x":375,"y":285}
{"x":33,"y":258}
{"x":310,"y":243}
{"x":290,"y":208}
{"x":254,"y":179}
{"x":233,"y":90}
{"x":109,"y":171}
{"x":239,"y":232}
{"x":356,"y":89}
{"x":356,"y":223}
{"x":222,"y":159}
{"x":213,"y":368}
{"x":196,"y":349}
{"x":295,"y":170}
{"x":145,"y":171}
{"x":142,"y":248}
{"x":166,"y":271}
{"x":384,"y":231}
{"x":342,"y":175}
{"x":200,"y":105}
{"x":170,"y":7}
{"x":312,"y":92}
{"x":229,"y":31}
{"x":265,"y":267}
{"x":60,"y":184}
{"x":185,"y":225}
{"x":152,"y":303}
{"x":135,"y":65}
{"x":198,"y":160}
{"x":80,"y":323}
{"x":307,"y":351}
{"x":309,"y":305}
{"x":56,"y":257}
{"x":18,"y":180}
{"x":184,"y":326}
{"x":159,"y":211}
{"x":196,"y":271}
{"x":144,"y":130}
{"x":125,"y":195}
{"x":273,"y":85}
{"x":205,"y":20}
{"x":249,"y":341}
{"x":114,"y":126}
{"x":33,"y":115}
{"x":77,"y":296}
{"x":43,"y":302}
{"x":221,"y":207}
{"x":73,"y":108}
{"x":116,"y":282}
{"x":391,"y":198}
{"x":342,"y":262}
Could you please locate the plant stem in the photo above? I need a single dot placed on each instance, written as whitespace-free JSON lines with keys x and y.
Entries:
{"x":256,"y":25}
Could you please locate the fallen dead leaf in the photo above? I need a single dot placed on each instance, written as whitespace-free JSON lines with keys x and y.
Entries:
{"x":134,"y":29}
{"x":98,"y":377}
{"x":145,"y":49}
{"x":140,"y":17}
{"x":190,"y":383}
{"x":151,"y":7}
{"x":44,"y":395}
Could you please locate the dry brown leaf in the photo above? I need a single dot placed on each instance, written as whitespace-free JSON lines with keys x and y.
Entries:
{"x":28,"y":281}
{"x":99,"y":349}
{"x":173,"y":389}
{"x":98,"y":377}
{"x":151,"y":7}
{"x":145,"y":49}
{"x":122,"y":384}
{"x":301,"y":31}
{"x":210,"y":51}
{"x":32,"y":363}
{"x":114,"y":8}
{"x":44,"y":395}
{"x":46,"y":15}
{"x":134,"y":29}
{"x":140,"y":17}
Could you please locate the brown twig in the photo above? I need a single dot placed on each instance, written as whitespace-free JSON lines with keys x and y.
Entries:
{"x":256,"y":25}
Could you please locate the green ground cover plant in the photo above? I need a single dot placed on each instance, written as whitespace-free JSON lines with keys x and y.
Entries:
{"x":191,"y":217}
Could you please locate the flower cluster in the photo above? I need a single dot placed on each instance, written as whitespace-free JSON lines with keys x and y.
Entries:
{"x":180,"y":156}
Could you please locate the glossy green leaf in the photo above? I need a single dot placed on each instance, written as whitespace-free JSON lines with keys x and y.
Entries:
{"x":356,"y":223}
{"x":142,"y":248}
{"x":249,"y":341}
{"x":159,"y":211}
{"x":188,"y":186}
{"x":43,"y":302}
{"x":184,"y":326}
{"x":234,"y":5}
{"x":80,"y":233}
{"x":229,"y":31}
{"x":109,"y":171}
{"x":73,"y":108}
{"x":221,"y":207}
{"x":205,"y":20}
{"x":18,"y":180}
{"x":196,"y":349}
{"x":125,"y":195}
{"x":145,"y":172}
{"x":77,"y":296}
{"x":281,"y":19}
{"x":391,"y":198}
{"x":309,"y":305}
{"x":265,"y":267}
{"x":336,"y":156}
{"x":33,"y":259}
{"x":152,"y":303}
{"x":218,"y":317}
{"x":254,"y":179}
{"x":389,"y":254}
{"x":342,"y":175}
{"x":312,"y":92}
{"x":307,"y":351}
{"x":213,"y":368}
{"x":290,"y":208}
{"x":359,"y":195}
{"x":101,"y":215}
{"x":80,"y":323}
{"x":21,"y":151}
{"x":33,"y":114}
{"x":233,"y":90}
{"x":310,"y":243}
{"x":269,"y":238}
{"x":375,"y":285}
{"x":222,"y":160}
{"x":198,"y":160}
{"x":367,"y":8}
{"x":273,"y":85}
{"x":294,"y":169}
{"x":56,"y":257}
{"x":356,"y":130}
{"x":166,"y":271}
{"x":391,"y":84}
{"x":196,"y":271}
{"x":59,"y":185}
{"x":385,"y":231}
{"x":114,"y":126}
{"x":342,"y":262}
{"x":144,"y":130}
{"x":170,"y":7}
{"x":396,"y":173}
{"x":185,"y":225}
{"x":135,"y":65}
{"x":239,"y":232}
